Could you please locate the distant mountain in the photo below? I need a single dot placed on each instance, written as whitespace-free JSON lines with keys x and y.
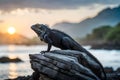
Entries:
{"x":108,"y":16}
{"x":18,"y":39}
{"x":12,"y":39}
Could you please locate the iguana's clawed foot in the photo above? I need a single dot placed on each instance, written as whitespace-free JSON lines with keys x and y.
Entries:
{"x":43,"y":52}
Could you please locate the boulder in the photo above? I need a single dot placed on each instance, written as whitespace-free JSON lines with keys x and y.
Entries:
{"x":118,"y":69}
{"x":7,"y":60}
{"x":108,"y":69}
{"x":66,"y":65}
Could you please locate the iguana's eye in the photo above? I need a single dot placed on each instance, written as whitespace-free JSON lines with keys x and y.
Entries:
{"x":40,"y":28}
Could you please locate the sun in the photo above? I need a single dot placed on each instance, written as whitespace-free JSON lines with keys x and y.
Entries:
{"x":11,"y":30}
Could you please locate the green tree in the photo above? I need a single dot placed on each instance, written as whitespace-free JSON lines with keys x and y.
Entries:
{"x":99,"y":33}
{"x":114,"y":34}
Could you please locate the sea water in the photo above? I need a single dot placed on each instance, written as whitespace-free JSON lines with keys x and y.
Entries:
{"x":109,"y":58}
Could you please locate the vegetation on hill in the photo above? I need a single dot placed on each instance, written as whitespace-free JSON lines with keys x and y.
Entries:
{"x":99,"y":33}
{"x":105,"y":36}
{"x":106,"y":33}
{"x":114,"y":34}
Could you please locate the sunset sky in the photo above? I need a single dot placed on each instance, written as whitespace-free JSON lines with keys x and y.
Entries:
{"x":21,"y":14}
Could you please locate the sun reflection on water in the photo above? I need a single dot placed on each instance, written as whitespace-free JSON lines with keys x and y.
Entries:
{"x":12,"y":71}
{"x":11,"y":48}
{"x":12,"y":56}
{"x":12,"y":66}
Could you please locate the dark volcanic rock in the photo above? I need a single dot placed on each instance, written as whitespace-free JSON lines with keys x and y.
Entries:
{"x":113,"y":76}
{"x":66,"y":65}
{"x":109,"y":46}
{"x":22,"y":78}
{"x":108,"y":69}
{"x":7,"y":60}
{"x":118,"y":69}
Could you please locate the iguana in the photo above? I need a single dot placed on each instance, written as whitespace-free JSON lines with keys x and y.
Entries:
{"x":61,"y":40}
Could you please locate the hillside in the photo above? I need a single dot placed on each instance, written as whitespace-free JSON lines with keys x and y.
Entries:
{"x":108,"y":16}
{"x":104,"y":37}
{"x":12,"y":39}
{"x":18,"y":39}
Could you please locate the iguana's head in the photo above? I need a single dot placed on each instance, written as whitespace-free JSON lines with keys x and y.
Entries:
{"x":40,"y":29}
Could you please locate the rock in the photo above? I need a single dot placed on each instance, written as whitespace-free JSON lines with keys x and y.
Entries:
{"x":110,"y":76}
{"x":107,"y":45}
{"x":108,"y":69}
{"x":66,"y":65}
{"x":113,"y":76}
{"x":118,"y":69}
{"x":22,"y":78}
{"x":7,"y":60}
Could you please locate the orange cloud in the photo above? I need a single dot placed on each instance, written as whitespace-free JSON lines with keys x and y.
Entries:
{"x":1,"y":21}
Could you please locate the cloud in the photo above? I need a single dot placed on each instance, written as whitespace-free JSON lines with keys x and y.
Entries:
{"x":1,"y":21}
{"x":8,"y":5}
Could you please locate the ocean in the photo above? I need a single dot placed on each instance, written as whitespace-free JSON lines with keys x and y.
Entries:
{"x":109,"y":58}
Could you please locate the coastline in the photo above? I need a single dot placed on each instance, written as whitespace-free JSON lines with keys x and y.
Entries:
{"x":107,"y":46}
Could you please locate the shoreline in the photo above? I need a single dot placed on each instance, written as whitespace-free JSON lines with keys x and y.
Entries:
{"x":106,"y":46}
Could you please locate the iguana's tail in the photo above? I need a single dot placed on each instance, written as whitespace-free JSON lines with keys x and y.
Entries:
{"x":89,"y":54}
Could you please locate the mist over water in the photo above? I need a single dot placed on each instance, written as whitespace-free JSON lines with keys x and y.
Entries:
{"x":109,"y":58}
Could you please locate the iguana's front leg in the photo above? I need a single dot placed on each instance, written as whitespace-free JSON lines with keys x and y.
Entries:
{"x":49,"y":47}
{"x":49,"y":41}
